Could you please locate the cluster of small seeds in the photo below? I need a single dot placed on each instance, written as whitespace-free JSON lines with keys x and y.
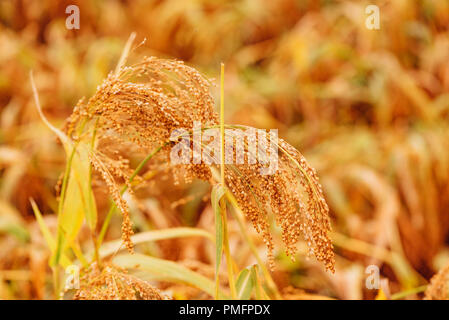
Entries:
{"x":121,"y":204}
{"x":293,"y":194}
{"x":137,"y":109}
{"x":113,"y":283}
{"x":438,"y":288}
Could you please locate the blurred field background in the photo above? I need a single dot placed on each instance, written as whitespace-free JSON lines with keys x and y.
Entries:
{"x":369,"y":109}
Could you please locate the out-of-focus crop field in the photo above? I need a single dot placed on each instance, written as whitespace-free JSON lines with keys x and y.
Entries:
{"x":369,"y":110}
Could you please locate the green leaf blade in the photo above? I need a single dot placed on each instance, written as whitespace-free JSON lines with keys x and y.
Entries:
{"x":165,"y":270}
{"x":245,"y":284}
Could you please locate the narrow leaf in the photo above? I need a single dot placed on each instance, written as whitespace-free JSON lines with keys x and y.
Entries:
{"x":260,"y":292}
{"x":217,"y":193}
{"x":47,"y":234}
{"x":76,"y":199}
{"x":245,"y":284}
{"x":164,"y":270}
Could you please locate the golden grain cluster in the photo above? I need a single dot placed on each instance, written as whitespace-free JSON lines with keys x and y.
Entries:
{"x":135,"y":111}
{"x":112,"y":283}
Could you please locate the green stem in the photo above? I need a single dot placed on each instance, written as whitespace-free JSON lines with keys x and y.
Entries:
{"x":227,"y":252}
{"x":223,"y":200}
{"x":406,"y":293}
{"x":56,"y":282}
{"x":94,"y":226}
{"x":238,"y":216}
{"x":65,"y":180}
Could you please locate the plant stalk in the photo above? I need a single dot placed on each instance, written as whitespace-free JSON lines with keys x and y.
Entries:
{"x":223,"y":200}
{"x":270,"y":282}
